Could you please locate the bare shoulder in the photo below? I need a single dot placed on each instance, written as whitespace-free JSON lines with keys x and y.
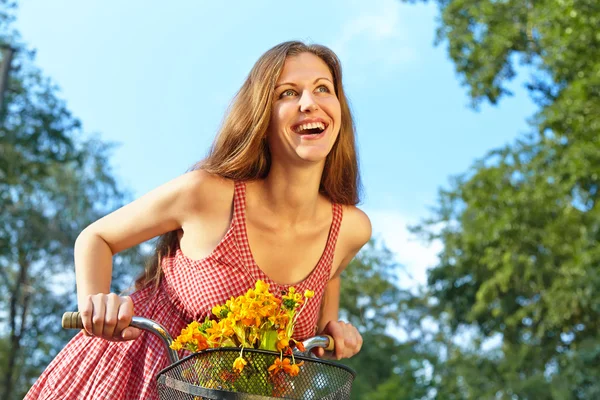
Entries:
{"x":201,"y":190}
{"x":356,"y":227}
{"x":355,"y":232}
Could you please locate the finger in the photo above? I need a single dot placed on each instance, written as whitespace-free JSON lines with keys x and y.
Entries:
{"x":337,"y":331}
{"x":110,"y":317}
{"x":353,"y":343}
{"x":86,"y":311}
{"x":124,"y":316}
{"x":354,"y":340}
{"x":319,"y":352}
{"x":98,"y":314}
{"x":350,"y":338}
{"x":130,"y":333}
{"x":359,"y":341}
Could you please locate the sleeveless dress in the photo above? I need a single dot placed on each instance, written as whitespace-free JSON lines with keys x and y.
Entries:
{"x":93,"y":368}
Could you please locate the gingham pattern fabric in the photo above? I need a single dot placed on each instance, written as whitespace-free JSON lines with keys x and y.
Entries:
{"x":92,"y":368}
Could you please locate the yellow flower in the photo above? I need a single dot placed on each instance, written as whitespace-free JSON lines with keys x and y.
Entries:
{"x":282,"y":344}
{"x":176,"y":345}
{"x":216,"y":310}
{"x":187,"y":337}
{"x":279,"y":320}
{"x":261,"y":287}
{"x":239,"y":364}
{"x":308,"y":294}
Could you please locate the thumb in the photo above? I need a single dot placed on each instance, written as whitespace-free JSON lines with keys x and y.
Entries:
{"x":130,"y":333}
{"x":319,"y":352}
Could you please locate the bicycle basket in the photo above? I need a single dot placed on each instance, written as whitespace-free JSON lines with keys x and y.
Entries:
{"x":209,"y":374}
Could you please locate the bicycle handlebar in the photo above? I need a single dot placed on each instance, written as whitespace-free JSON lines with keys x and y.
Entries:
{"x":72,"y":320}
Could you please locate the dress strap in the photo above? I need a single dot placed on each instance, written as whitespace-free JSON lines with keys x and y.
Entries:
{"x":239,"y":219}
{"x":239,"y":202}
{"x":338,"y":213}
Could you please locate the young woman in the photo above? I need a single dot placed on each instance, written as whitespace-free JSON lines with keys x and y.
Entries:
{"x":274,"y":200}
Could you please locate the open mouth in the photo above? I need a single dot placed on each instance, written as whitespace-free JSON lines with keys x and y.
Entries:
{"x":310,"y":128}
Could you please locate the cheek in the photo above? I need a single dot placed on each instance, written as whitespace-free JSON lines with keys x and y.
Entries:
{"x":333,"y":107}
{"x":335,"y":110}
{"x":278,"y":117}
{"x":273,"y":123}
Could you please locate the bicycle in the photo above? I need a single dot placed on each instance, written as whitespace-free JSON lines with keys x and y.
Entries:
{"x":194,"y":377}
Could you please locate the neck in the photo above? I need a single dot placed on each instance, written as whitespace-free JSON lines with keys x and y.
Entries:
{"x":292,"y":192}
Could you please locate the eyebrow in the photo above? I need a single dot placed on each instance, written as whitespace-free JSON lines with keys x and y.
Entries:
{"x":293,"y":84}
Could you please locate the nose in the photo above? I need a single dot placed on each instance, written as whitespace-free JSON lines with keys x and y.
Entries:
{"x":307,"y":102}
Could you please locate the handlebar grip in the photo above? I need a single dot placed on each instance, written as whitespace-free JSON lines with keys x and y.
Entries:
{"x":331,"y":345}
{"x":72,"y":320}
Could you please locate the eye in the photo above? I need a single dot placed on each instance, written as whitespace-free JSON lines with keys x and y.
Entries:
{"x":287,"y":92}
{"x":323,"y":89}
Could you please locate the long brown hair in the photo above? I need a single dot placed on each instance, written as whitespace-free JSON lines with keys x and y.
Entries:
{"x":240,"y":152}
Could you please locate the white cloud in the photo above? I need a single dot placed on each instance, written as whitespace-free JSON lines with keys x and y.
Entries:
{"x":374,"y":34}
{"x":411,"y":252}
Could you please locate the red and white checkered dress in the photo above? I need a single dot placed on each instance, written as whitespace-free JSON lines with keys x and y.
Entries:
{"x":93,"y":368}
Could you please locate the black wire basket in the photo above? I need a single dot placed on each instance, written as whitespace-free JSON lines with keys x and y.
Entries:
{"x":209,"y":374}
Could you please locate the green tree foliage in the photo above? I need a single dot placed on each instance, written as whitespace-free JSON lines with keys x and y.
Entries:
{"x":53,"y":182}
{"x":371,"y":300}
{"x":521,"y":228}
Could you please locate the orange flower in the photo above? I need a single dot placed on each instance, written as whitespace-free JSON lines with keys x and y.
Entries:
{"x":280,"y":365}
{"x":239,"y":363}
{"x":299,"y":345}
{"x":295,"y":369}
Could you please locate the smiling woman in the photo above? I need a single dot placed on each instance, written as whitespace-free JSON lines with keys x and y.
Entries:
{"x":275,"y":200}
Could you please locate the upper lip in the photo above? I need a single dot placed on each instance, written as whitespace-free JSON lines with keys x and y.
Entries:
{"x":308,"y":121}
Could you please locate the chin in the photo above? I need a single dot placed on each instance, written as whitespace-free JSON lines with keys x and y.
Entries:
{"x":313,"y":157}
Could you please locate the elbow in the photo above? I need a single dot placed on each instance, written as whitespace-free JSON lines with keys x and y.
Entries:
{"x":90,"y":239}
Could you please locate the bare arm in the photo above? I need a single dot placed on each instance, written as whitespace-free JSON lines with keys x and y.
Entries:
{"x":162,"y":210}
{"x":347,"y":338}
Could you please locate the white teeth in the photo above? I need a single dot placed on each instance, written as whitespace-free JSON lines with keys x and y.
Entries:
{"x":311,"y":125}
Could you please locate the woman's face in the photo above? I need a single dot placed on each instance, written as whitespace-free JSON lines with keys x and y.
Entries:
{"x":306,"y":114}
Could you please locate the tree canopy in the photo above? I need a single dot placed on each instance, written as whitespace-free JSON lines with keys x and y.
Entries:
{"x":520,"y":228}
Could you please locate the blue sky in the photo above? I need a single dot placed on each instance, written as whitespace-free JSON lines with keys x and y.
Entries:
{"x":156,"y":77}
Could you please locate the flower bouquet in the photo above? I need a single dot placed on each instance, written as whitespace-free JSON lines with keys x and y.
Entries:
{"x":256,"y":320}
